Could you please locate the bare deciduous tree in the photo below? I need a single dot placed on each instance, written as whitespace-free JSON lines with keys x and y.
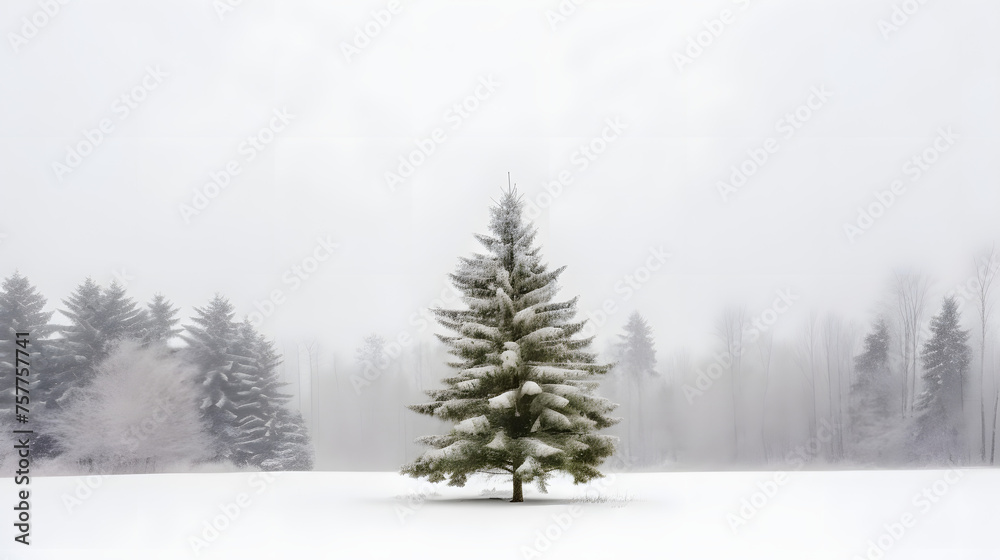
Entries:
{"x":805,"y":358}
{"x":986,"y":272}
{"x":910,"y":290}
{"x":730,"y":329}
{"x":765,"y":345}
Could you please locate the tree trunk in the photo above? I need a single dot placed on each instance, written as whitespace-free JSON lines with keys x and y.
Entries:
{"x":763,"y":415}
{"x":982,"y":389}
{"x":993,"y":442}
{"x":518,"y":496}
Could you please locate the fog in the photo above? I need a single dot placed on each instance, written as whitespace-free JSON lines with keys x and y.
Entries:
{"x":678,"y":158}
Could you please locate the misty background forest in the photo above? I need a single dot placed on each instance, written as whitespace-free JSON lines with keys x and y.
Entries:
{"x":915,"y":384}
{"x":111,"y":395}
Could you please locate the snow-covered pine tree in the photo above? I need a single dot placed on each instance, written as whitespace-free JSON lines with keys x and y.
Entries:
{"x":293,"y":451}
{"x":97,"y":318}
{"x":74,"y":354}
{"x":81,"y":344}
{"x":211,"y":337}
{"x":161,"y":324}
{"x":635,"y":360}
{"x":637,"y":355}
{"x":22,"y":309}
{"x":940,"y":427}
{"x":259,"y":396}
{"x":119,"y":317}
{"x":874,"y":411}
{"x":371,"y":352}
{"x":522,"y":399}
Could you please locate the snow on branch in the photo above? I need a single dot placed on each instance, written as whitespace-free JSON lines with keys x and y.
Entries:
{"x":499,"y":442}
{"x":551,"y":401}
{"x":510,"y":359}
{"x":558,"y":373}
{"x":529,"y":468}
{"x":472,"y":344}
{"x":478,"y":372}
{"x":473,"y":329}
{"x":479,"y":303}
{"x":452,"y":450}
{"x":524,"y":315}
{"x":474,"y":425}
{"x":544,"y":333}
{"x":468,"y":385}
{"x":561,"y":390}
{"x":447,"y":408}
{"x":540,"y":295}
{"x":505,"y":300}
{"x":503,"y":279}
{"x":503,"y":400}
{"x":536,"y":448}
{"x":530,"y":388}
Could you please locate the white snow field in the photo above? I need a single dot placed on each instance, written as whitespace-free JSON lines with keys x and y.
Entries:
{"x":912,"y":515}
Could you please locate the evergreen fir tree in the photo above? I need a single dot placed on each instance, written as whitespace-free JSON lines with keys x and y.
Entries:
{"x":874,"y":415}
{"x":874,"y":360}
{"x":940,"y":429}
{"x":293,"y":451}
{"x":635,"y":360}
{"x":119,"y":317}
{"x":371,"y":352}
{"x":161,"y":325}
{"x":97,"y":318}
{"x":258,"y":396}
{"x":22,"y":309}
{"x":636,"y":355}
{"x":81,"y":344}
{"x":372,"y":361}
{"x":522,"y":398}
{"x":75,"y":354}
{"x":212,"y":339}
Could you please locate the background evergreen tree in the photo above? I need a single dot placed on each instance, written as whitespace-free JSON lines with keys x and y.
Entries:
{"x":377,"y":377}
{"x":75,"y":353}
{"x":97,"y":319}
{"x":81,"y":342}
{"x":211,"y":338}
{"x":637,"y":355}
{"x":940,"y":429}
{"x":259,"y":397}
{"x":22,"y":309}
{"x":119,"y":317}
{"x":638,"y":387}
{"x":293,"y":451}
{"x":874,"y":411}
{"x":371,"y":352}
{"x":522,"y":398}
{"x":161,"y":323}
{"x":874,"y":360}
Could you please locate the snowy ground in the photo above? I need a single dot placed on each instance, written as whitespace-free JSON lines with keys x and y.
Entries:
{"x":801,"y":515}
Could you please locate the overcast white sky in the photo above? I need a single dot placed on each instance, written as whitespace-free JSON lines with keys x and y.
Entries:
{"x":556,"y":86}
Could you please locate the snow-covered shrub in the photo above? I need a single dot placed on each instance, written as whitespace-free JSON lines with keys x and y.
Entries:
{"x":139,"y":414}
